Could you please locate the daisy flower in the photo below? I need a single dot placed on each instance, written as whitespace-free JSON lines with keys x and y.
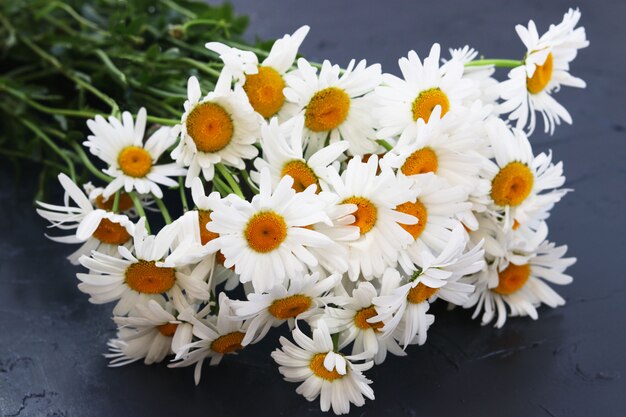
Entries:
{"x":132,"y":163}
{"x":436,"y":208}
{"x":352,"y":322}
{"x":337,"y":379}
{"x":263,"y":84}
{"x":141,"y":275}
{"x":513,"y":286}
{"x":150,"y":334}
{"x":285,"y":155}
{"x":299,"y":298}
{"x":530,"y":86}
{"x":266,"y":239}
{"x":335,"y":106}
{"x":376,"y":197}
{"x":217,"y":336}
{"x":219,"y":128}
{"x":425,"y":86}
{"x":96,"y":228}
{"x":408,"y":304}
{"x":523,"y":186}
{"x":443,"y":147}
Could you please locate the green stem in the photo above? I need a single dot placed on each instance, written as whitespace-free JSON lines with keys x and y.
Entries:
{"x":52,"y":145}
{"x":201,"y":66}
{"x":335,"y":339}
{"x":116,"y":201}
{"x":85,"y":159}
{"x":248,"y":180}
{"x":229,"y":179}
{"x":45,"y":109}
{"x":384,"y":144}
{"x":183,"y":196}
{"x":221,"y":186}
{"x":500,"y":63}
{"x":139,"y":208}
{"x":163,"y":121}
{"x":164,"y":211}
{"x":209,"y":22}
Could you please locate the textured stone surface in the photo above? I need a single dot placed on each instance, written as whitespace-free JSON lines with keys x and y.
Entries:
{"x":569,"y":363}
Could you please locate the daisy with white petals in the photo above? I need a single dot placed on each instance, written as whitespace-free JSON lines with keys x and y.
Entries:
{"x":337,"y":379}
{"x":219,"y":128}
{"x":530,"y":86}
{"x":376,"y":197}
{"x":96,"y":228}
{"x":335,"y":105}
{"x":300,"y":297}
{"x":404,"y":311}
{"x":283,"y":154}
{"x":151,"y":334}
{"x":132,"y":163}
{"x":143,"y":274}
{"x":425,"y":86}
{"x":516,"y":286}
{"x":266,"y":239}
{"x":523,"y":186}
{"x":264,"y":83}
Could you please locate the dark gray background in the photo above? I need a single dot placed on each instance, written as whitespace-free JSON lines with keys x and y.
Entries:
{"x":569,"y":363}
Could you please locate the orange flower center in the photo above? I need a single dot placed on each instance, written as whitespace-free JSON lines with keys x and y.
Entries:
{"x":541,"y":77}
{"x":290,"y":307}
{"x":420,"y":162}
{"x":365,"y":215}
{"x":418,"y":210}
{"x":420,"y":293}
{"x":204,"y":216}
{"x":302,"y":175}
{"x":125,"y":202}
{"x":512,"y":184}
{"x":317,"y":366}
{"x":426,"y":102}
{"x":135,"y":161}
{"x":361,"y":317}
{"x":265,"y":231}
{"x":147,"y":278}
{"x":512,"y":279}
{"x":327,"y":109}
{"x":210,"y":126}
{"x":265,"y":91}
{"x":228,"y":343}
{"x":111,"y":233}
{"x":167,"y":329}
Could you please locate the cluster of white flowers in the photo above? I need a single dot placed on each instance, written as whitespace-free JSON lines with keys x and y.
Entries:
{"x":344,"y":201}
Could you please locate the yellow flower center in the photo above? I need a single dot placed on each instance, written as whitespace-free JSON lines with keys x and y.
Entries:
{"x":420,"y":293}
{"x":135,"y":161}
{"x":111,"y":233}
{"x":327,"y":109}
{"x":265,"y":91}
{"x":426,"y":102}
{"x":302,"y":175}
{"x":265,"y":231}
{"x":365,"y":215}
{"x":418,"y":210}
{"x":512,"y":184}
{"x":147,"y":278}
{"x":361,"y":317}
{"x":228,"y":343}
{"x":290,"y":307}
{"x":167,"y":329}
{"x":204,"y":216}
{"x":421,"y":161}
{"x":210,"y":126}
{"x":512,"y":279}
{"x":317,"y":366}
{"x":125,"y":202}
{"x":541,"y":77}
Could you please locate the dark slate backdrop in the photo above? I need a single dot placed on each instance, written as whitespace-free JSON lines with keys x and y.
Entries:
{"x":569,"y":363}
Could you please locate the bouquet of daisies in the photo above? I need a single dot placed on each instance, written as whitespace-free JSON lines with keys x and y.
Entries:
{"x":339,"y":203}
